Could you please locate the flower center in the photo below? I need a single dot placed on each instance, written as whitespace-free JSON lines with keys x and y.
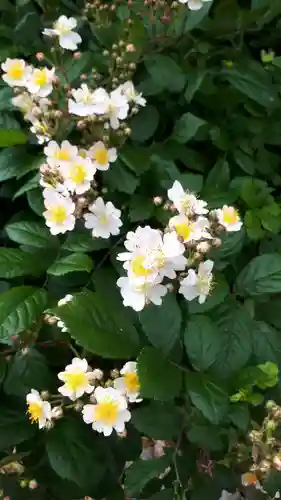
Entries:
{"x":58,"y":214}
{"x":106,"y":412}
{"x":62,"y":154}
{"x":101,"y":156}
{"x":204,"y":284}
{"x":35,"y":411}
{"x":103,"y":219}
{"x":230,"y":215}
{"x":61,"y":28}
{"x":75,"y":380}
{"x":16,"y":71}
{"x":40,"y":77}
{"x":138,"y":267}
{"x":132,"y":382}
{"x":184,"y":230}
{"x":78,"y":173}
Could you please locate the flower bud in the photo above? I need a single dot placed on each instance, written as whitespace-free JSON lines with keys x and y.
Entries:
{"x":57,"y":412}
{"x":130,"y":47}
{"x":78,"y":406}
{"x":45,"y":395}
{"x":40,"y":56}
{"x":114,"y":373}
{"x":33,"y":484}
{"x":157,"y":200}
{"x":98,"y":374}
{"x":77,"y":55}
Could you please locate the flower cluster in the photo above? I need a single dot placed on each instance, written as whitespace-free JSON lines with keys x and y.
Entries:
{"x":107,"y":409}
{"x":152,"y":256}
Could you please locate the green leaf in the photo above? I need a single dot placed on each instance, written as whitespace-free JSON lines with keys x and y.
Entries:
{"x":157,"y":420}
{"x":31,"y":184}
{"x":119,"y":178}
{"x":94,"y":325}
{"x":218,"y":178}
{"x":73,"y":452}
{"x":136,"y":159}
{"x":207,"y":437}
{"x":235,"y":328}
{"x":27,"y":370}
{"x":262,"y":275}
{"x":194,"y":18}
{"x":34,"y":234}
{"x":141,"y":472}
{"x":266,"y":343}
{"x":70,"y":263}
{"x":144,"y":124}
{"x":240,"y":416}
{"x":187,"y":127}
{"x":140,"y":208}
{"x":14,"y":427}
{"x":15,"y":262}
{"x":216,"y":297}
{"x":208,"y":397}
{"x":162,"y":324}
{"x":159,"y":378}
{"x":165,"y":72}
{"x":12,"y":137}
{"x":12,"y":160}
{"x":19,"y":308}
{"x":35,"y":201}
{"x":202,"y":341}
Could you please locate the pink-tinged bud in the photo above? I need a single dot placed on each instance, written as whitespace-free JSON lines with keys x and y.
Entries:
{"x":33,"y":484}
{"x":7,"y":498}
{"x":83,"y":76}
{"x":40,"y":56}
{"x":130,"y":47}
{"x":170,"y":287}
{"x":77,"y":55}
{"x":157,"y":200}
{"x":14,"y":338}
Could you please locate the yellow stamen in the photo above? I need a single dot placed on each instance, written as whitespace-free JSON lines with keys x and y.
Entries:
{"x":132,"y":382}
{"x":106,"y":412}
{"x":16,"y":71}
{"x":184,"y":230}
{"x":40,"y":77}
{"x":58,"y":214}
{"x":75,"y":380}
{"x":78,"y":173}
{"x":62,"y":154}
{"x":35,"y":411}
{"x":101,"y":156}
{"x":138,"y":268}
{"x":230,"y":215}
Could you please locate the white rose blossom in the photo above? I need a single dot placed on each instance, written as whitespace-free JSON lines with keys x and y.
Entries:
{"x":194,"y":4}
{"x":102,"y":156}
{"x":129,"y":91}
{"x":83,"y":103}
{"x":16,"y":73}
{"x":229,"y":218}
{"x":78,"y":174}
{"x":63,"y":28}
{"x":188,"y":229}
{"x":103,"y":219}
{"x":59,"y":214}
{"x":186,"y":203}
{"x":110,"y":412}
{"x":76,"y":379}
{"x":129,"y":384}
{"x":138,"y":296}
{"x":40,"y":82}
{"x":57,"y":156}
{"x":198,"y":284}
{"x":38,"y":410}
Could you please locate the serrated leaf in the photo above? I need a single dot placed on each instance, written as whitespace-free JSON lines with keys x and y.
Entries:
{"x":162,"y":324}
{"x":208,"y":397}
{"x":186,"y":127}
{"x":141,"y":472}
{"x":15,"y":262}
{"x":14,"y":427}
{"x":36,"y":201}
{"x":157,"y":420}
{"x":207,"y":437}
{"x":12,"y":160}
{"x":70,"y":263}
{"x":266,"y":343}
{"x":240,"y":416}
{"x":203,"y":342}
{"x":92,"y":324}
{"x":216,"y":297}
{"x":73,"y":454}
{"x":144,"y":124}
{"x":19,"y":308}
{"x":119,"y":178}
{"x":159,"y":378}
{"x":78,"y":241}
{"x":27,"y":370}
{"x":165,"y":72}
{"x":260,"y":276}
{"x":34,"y":234}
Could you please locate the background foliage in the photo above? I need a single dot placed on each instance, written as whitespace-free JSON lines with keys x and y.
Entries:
{"x":213,"y":122}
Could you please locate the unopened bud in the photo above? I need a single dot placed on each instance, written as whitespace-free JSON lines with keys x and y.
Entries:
{"x":50,"y":320}
{"x":270,"y":404}
{"x":25,"y":351}
{"x":216,"y":242}
{"x":105,"y":53}
{"x":130,"y":47}
{"x":33,"y":484}
{"x":78,"y":406}
{"x":114,"y":373}
{"x":81,"y":125}
{"x":123,"y":434}
{"x":83,"y":76}
{"x":132,"y":66}
{"x":157,"y":200}
{"x":98,"y":374}
{"x":203,"y":247}
{"x":77,"y":55}
{"x":40,"y":56}
{"x":23,"y":483}
{"x":58,"y":113}
{"x":57,"y":412}
{"x":49,"y":425}
{"x":45,"y":395}
{"x":127,"y":131}
{"x":170,"y":287}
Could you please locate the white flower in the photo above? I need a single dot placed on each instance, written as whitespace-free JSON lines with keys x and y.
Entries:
{"x":229,"y":218}
{"x":138,"y":295}
{"x":190,"y":230}
{"x":63,"y":28}
{"x":26,"y":104}
{"x":41,"y":131}
{"x":198,"y":284}
{"x":60,"y":155}
{"x":59,"y":214}
{"x":83,"y":103}
{"x":130,"y":93}
{"x":78,"y":174}
{"x":101,"y":156}
{"x":103,"y":219}
{"x":110,"y":411}
{"x":61,"y":325}
{"x":39,"y":411}
{"x":16,"y":72}
{"x":40,"y":82}
{"x":65,"y":300}
{"x":129,"y":384}
{"x":194,"y":4}
{"x":186,"y":203}
{"x":76,"y":379}
{"x":152,"y":254}
{"x":114,"y":105}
